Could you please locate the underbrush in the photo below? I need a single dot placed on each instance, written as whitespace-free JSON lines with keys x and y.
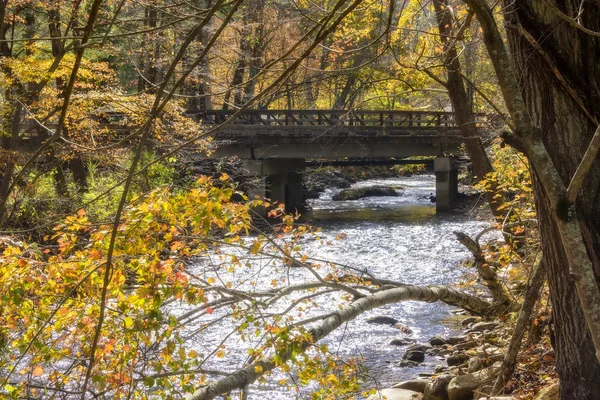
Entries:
{"x":38,"y":205}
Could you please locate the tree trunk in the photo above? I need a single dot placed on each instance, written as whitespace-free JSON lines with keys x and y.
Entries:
{"x":557,"y":67}
{"x":463,"y":111}
{"x":342,"y":100}
{"x":76,"y":164}
{"x":257,"y":46}
{"x":10,"y":118}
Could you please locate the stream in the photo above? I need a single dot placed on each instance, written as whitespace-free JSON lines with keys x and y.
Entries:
{"x":398,"y":238}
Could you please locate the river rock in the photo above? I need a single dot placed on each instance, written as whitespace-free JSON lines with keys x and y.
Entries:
{"x":382,"y":320}
{"x":369,"y":191}
{"x":402,"y":341}
{"x":396,"y":394}
{"x":479,"y":363}
{"x":438,"y":390}
{"x":407,"y":363}
{"x":454,"y":340}
{"x":415,"y":355}
{"x":462,"y":387}
{"x":444,"y":352}
{"x":440,"y":369}
{"x":403,"y":328}
{"x":465,"y":345}
{"x":437,"y":341}
{"x":416,"y":385}
{"x":457,"y":359}
{"x":548,"y":393}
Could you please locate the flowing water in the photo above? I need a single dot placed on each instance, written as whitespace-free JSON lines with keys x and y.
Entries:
{"x":398,"y":238}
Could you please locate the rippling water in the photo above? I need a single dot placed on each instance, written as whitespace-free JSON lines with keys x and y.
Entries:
{"x":399,"y":238}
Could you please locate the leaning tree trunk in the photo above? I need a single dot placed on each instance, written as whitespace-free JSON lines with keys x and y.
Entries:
{"x":463,"y":110}
{"x":557,"y":65}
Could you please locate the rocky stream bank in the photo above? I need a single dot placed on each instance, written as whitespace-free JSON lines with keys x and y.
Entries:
{"x":470,"y":364}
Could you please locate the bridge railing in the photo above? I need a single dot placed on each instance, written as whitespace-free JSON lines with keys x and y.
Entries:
{"x":413,"y":119}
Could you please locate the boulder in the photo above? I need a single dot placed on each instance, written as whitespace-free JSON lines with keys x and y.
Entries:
{"x":416,"y":385}
{"x":437,"y":341}
{"x":457,"y":359}
{"x":548,"y":393}
{"x":479,"y":363}
{"x":415,"y":355}
{"x":419,"y":346}
{"x":407,"y":363}
{"x":382,"y":320}
{"x":462,"y":387}
{"x":395,"y":394}
{"x":438,"y":390}
{"x":454,"y":340}
{"x":369,"y":191}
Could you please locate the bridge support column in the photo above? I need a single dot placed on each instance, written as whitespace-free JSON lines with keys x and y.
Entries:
{"x":446,"y":183}
{"x":294,"y":194}
{"x":276,"y":188}
{"x":277,"y":180}
{"x":256,"y":186}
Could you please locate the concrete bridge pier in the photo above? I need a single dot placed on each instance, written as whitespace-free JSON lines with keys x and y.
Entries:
{"x":446,"y":183}
{"x":277,"y":180}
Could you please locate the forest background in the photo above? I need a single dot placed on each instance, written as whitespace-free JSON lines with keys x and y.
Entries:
{"x":98,"y":230}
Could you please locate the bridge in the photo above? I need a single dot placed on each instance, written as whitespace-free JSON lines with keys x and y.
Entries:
{"x":276,"y":143}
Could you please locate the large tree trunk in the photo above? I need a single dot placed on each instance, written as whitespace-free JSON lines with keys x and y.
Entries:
{"x":557,"y":66}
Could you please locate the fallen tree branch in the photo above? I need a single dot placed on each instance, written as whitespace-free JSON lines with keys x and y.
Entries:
{"x":485,"y":272}
{"x":532,"y":295}
{"x":583,"y":167}
{"x":249,"y":374}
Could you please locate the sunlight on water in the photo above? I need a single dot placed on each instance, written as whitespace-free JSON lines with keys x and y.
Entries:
{"x":398,"y":238}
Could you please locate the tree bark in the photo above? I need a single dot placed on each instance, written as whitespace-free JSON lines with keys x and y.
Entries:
{"x":553,"y":99}
{"x":566,"y":131}
{"x":76,"y":163}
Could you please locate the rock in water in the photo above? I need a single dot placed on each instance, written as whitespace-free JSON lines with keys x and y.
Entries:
{"x":396,"y":394}
{"x":402,"y":341}
{"x":437,"y":341}
{"x":370,"y":191}
{"x":416,"y":385}
{"x":403,"y":328}
{"x":382,"y":320}
{"x":457,"y":359}
{"x":415,"y":355}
